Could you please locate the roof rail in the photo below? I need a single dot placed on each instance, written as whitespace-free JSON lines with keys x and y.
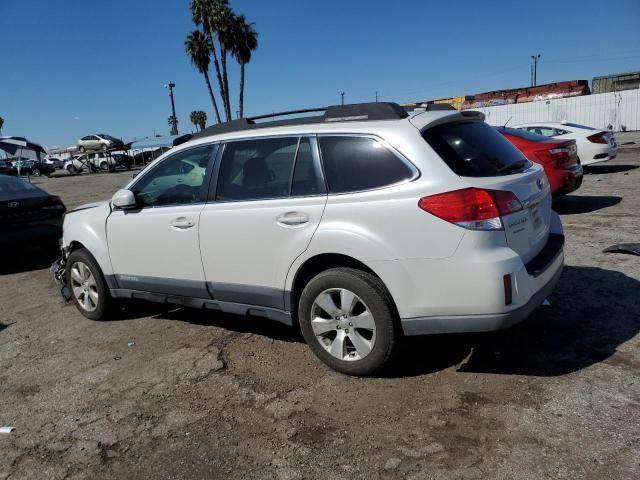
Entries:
{"x":335,"y":113}
{"x":429,"y":107}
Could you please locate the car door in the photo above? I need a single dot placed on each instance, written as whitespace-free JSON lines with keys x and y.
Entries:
{"x":154,"y":247}
{"x":264,"y":207}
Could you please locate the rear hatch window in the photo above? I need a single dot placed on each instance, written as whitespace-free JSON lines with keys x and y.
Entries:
{"x":475,"y":149}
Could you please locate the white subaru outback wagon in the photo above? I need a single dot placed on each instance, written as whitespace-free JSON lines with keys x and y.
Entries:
{"x":361,"y":224}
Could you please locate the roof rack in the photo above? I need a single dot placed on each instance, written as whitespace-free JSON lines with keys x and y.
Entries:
{"x":428,"y":107}
{"x":357,"y":112}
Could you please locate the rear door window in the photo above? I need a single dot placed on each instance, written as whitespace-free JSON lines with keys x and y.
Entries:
{"x":475,"y":149}
{"x":353,"y":164}
{"x":307,"y":179}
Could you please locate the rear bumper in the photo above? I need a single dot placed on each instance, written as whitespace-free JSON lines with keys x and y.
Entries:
{"x":467,"y":294}
{"x":479,"y":323}
{"x":602,"y":154}
{"x":568,"y":180}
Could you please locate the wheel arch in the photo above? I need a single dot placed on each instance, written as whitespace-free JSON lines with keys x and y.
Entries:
{"x":319,"y":263}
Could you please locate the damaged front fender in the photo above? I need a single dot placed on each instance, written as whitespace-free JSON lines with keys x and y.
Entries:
{"x":59,"y":270}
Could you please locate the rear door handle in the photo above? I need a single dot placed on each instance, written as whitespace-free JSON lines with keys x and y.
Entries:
{"x":292,"y":218}
{"x":182,"y":223}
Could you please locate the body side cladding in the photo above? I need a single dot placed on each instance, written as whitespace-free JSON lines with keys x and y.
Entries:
{"x":206,"y":303}
{"x":254,"y":295}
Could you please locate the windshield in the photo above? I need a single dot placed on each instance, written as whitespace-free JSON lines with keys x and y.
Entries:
{"x":475,"y":149}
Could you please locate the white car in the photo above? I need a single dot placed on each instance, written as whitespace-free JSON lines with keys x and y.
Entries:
{"x":84,"y":162}
{"x":99,"y":141}
{"x":362,"y":224}
{"x":594,"y":145}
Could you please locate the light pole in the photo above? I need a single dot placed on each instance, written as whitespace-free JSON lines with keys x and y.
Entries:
{"x":174,"y":119}
{"x":535,"y":69}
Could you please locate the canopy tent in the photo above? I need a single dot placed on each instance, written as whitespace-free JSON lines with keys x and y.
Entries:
{"x":12,"y":145}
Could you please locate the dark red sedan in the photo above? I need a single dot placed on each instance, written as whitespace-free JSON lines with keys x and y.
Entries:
{"x":559,"y":158}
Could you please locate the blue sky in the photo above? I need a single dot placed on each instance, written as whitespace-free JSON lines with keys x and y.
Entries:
{"x":74,"y":67}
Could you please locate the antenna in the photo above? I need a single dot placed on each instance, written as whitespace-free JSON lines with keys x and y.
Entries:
{"x":505,"y":123}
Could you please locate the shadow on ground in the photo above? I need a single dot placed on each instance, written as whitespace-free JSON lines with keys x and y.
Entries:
{"x":573,"y":204}
{"x":236,"y":323}
{"x":604,"y":168}
{"x":592,"y":312}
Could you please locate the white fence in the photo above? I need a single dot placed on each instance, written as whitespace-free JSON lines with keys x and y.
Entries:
{"x":599,"y":111}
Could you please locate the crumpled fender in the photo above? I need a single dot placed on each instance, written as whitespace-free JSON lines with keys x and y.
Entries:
{"x":87,"y":225}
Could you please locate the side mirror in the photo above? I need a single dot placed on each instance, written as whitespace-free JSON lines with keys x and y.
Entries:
{"x":123,"y":199}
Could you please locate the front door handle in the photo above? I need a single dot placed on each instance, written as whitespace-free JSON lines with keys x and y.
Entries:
{"x":182,"y":223}
{"x":292,"y":218}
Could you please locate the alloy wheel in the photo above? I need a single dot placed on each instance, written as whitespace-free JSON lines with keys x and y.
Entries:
{"x":84,"y":287}
{"x":343,"y":324}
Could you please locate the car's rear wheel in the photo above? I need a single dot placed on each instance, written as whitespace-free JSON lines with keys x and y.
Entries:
{"x":104,"y":166}
{"x":347,"y":319}
{"x":82,"y":149}
{"x":104,"y":147}
{"x":87,"y":286}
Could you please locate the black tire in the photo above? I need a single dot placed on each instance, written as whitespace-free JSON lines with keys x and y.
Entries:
{"x":377,"y":299}
{"x":104,"y":166}
{"x":104,"y":147}
{"x":72,"y":170}
{"x":104,"y":302}
{"x":36,"y":172}
{"x":82,"y":149}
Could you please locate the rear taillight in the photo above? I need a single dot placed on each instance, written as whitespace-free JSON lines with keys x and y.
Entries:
{"x":472,"y":208}
{"x":562,"y":156}
{"x":597,"y":138}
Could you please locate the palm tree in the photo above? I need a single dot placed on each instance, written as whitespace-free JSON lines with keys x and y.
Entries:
{"x":221,"y":22}
{"x":203,"y":12}
{"x":245,"y":42}
{"x":193,"y":116}
{"x":202,"y":119}
{"x":198,"y":46}
{"x":199,"y":119}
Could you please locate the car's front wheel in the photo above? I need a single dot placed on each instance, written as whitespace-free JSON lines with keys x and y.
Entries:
{"x":36,"y":172}
{"x":87,"y":286}
{"x":347,"y":319}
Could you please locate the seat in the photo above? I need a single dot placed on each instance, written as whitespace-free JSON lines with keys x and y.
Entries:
{"x":255,"y":173}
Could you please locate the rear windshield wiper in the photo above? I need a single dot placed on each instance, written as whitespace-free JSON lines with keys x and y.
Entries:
{"x":514,"y":167}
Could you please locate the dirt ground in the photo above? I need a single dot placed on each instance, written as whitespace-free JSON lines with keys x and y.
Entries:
{"x":204,"y":396}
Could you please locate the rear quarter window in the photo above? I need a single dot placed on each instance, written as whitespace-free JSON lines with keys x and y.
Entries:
{"x":353,"y":164}
{"x":475,"y":149}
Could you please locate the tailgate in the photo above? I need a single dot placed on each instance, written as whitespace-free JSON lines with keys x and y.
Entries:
{"x":527,"y":230}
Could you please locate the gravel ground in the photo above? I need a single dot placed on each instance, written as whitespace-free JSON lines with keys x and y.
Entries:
{"x":204,"y":395}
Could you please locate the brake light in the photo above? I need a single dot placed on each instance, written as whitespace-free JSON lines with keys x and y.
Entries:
{"x":472,"y":208}
{"x":562,"y":156}
{"x":597,"y":138}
